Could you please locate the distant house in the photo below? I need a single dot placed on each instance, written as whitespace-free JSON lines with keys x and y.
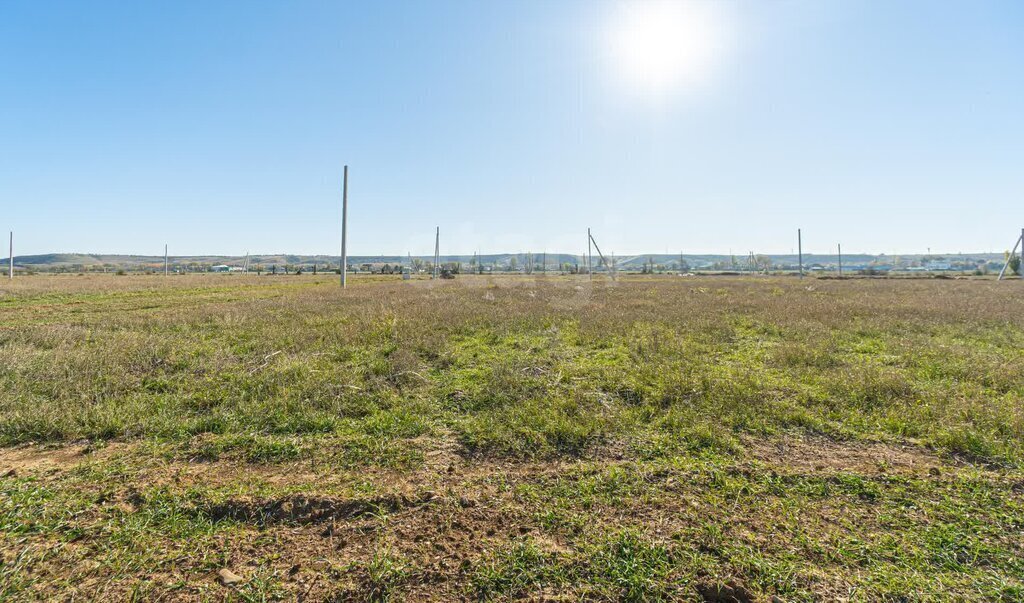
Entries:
{"x":221,"y":268}
{"x":868,"y":267}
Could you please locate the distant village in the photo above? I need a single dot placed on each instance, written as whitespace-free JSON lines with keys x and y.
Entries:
{"x":526,"y":263}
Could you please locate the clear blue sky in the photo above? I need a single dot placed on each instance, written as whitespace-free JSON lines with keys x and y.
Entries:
{"x":222,"y":127}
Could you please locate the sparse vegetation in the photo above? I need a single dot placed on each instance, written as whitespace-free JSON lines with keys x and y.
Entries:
{"x":659,"y":438}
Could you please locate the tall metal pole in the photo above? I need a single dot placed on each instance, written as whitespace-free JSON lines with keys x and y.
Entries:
{"x":1020,"y":265}
{"x":800,"y":251}
{"x":840,"y":247}
{"x":344,"y":230}
{"x":10,"y":258}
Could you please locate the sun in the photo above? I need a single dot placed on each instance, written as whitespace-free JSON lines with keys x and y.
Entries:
{"x":660,"y":47}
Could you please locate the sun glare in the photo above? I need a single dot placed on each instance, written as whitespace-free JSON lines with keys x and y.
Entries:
{"x":661,"y":47}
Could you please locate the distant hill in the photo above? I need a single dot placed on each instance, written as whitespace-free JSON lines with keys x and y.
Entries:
{"x":63,"y":262}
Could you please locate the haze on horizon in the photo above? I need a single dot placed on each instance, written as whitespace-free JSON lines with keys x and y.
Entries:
{"x":693,"y":126}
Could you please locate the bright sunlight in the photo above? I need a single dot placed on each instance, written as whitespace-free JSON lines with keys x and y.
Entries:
{"x":659,"y":47}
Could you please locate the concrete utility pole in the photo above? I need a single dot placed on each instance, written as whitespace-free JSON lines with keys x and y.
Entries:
{"x":1020,"y":268}
{"x":610,"y":268}
{"x":344,"y":230}
{"x":800,"y":251}
{"x":10,"y":258}
{"x":590,"y":256}
{"x":437,"y":252}
{"x":165,"y":259}
{"x":840,"y":247}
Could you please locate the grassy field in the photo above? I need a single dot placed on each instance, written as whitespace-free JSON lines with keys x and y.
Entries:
{"x":661,"y":438}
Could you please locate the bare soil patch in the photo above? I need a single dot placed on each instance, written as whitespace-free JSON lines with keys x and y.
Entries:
{"x":821,"y":454}
{"x":32,"y":458}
